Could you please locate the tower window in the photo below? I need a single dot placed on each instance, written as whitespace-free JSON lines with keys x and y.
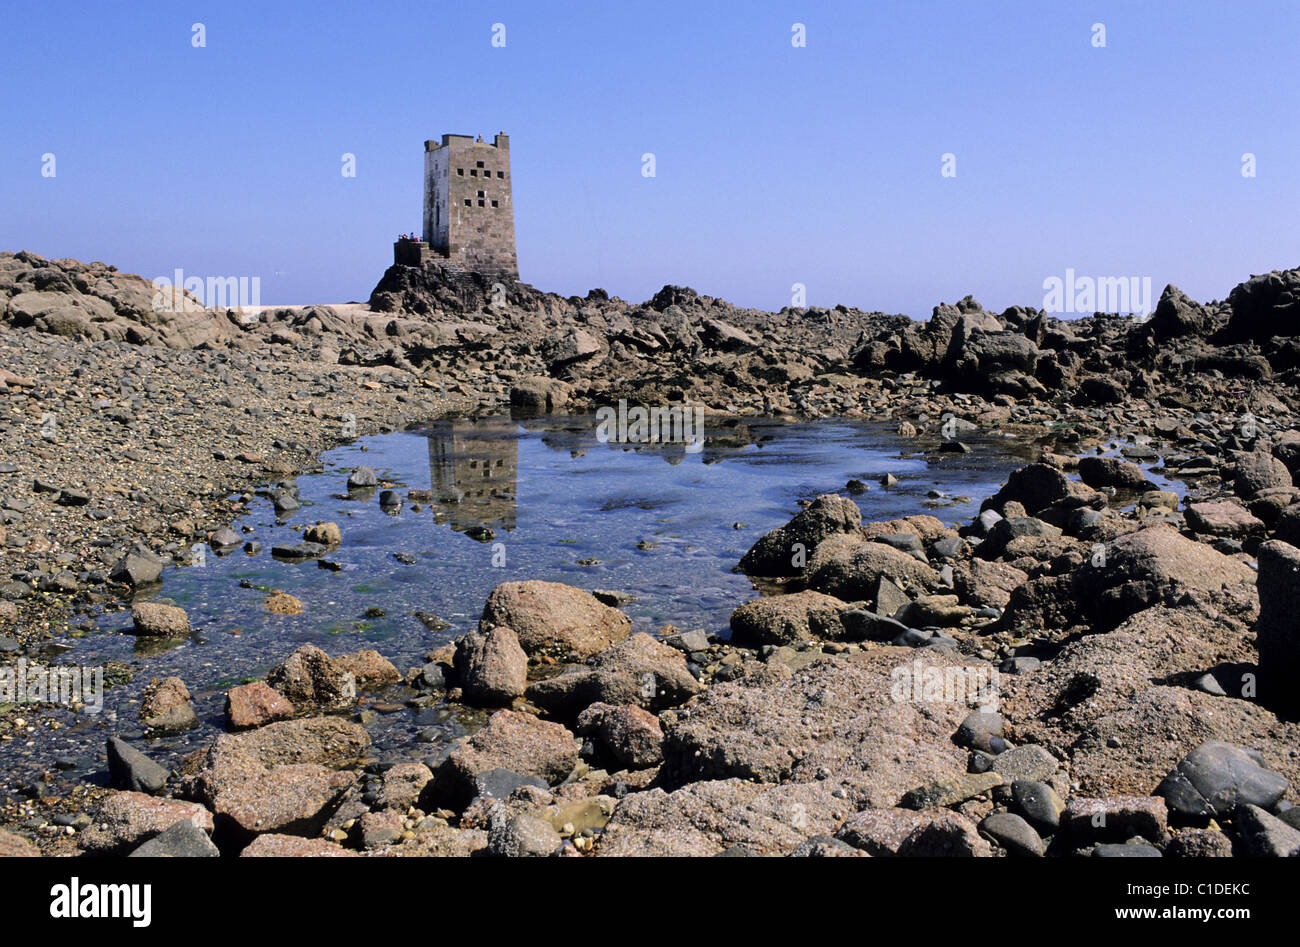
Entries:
{"x":467,"y":202}
{"x":480,"y":194}
{"x":460,"y":171}
{"x":479,"y":164}
{"x":501,"y":174}
{"x":473,"y":173}
{"x":494,"y":203}
{"x":480,"y":203}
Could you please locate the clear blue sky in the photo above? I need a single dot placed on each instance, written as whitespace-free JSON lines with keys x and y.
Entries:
{"x":775,"y":164}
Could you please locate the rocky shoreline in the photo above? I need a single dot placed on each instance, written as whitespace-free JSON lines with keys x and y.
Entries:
{"x":1093,"y":666}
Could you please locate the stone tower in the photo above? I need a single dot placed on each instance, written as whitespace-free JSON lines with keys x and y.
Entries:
{"x":469,"y":219}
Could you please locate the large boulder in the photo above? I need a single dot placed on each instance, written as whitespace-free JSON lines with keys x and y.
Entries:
{"x":1266,"y":306}
{"x":1100,"y":472}
{"x":1142,"y":568}
{"x":490,"y":666}
{"x":571,"y":347}
{"x":708,"y":818}
{"x":551,"y":619}
{"x":284,"y":777}
{"x":1177,"y":315}
{"x":155,"y":620}
{"x":1116,"y":704}
{"x":783,"y":619}
{"x":436,"y":287}
{"x":139,"y":566}
{"x":864,"y":724}
{"x":124,"y":820}
{"x":924,"y":527}
{"x":1224,"y":518}
{"x":254,"y":705}
{"x":1216,"y":778}
{"x":1259,"y":470}
{"x":639,"y":671}
{"x":309,"y":677}
{"x":948,"y":835}
{"x":370,"y":669}
{"x":520,"y":835}
{"x":852,"y":570}
{"x":1286,"y":448}
{"x":165,"y":705}
{"x":785,"y":550}
{"x":725,"y":337}
{"x":403,"y":785}
{"x":518,"y":742}
{"x":96,"y":303}
{"x":985,"y":582}
{"x":1001,"y":539}
{"x":1000,"y":361}
{"x":631,"y":735}
{"x":539,"y":393}
{"x":1036,"y":487}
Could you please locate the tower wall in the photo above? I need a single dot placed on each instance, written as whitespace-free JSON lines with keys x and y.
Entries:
{"x":469,"y":215}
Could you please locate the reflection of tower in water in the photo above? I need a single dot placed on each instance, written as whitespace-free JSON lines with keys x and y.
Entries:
{"x":473,"y":465}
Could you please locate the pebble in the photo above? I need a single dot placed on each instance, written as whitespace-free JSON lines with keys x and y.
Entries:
{"x":1014,"y":834}
{"x":1038,"y":803}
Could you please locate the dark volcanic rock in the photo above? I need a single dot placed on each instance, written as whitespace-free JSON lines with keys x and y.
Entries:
{"x":1262,"y":835}
{"x":1176,"y":315}
{"x":138,"y":567}
{"x":1266,"y":306}
{"x":1216,"y":778}
{"x":1036,"y":487}
{"x":182,"y":840}
{"x":435,"y":287}
{"x":1278,"y":629}
{"x":128,"y":768}
{"x":1112,"y":472}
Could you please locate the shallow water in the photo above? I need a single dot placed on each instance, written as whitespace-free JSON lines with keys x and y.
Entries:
{"x":662,"y":524}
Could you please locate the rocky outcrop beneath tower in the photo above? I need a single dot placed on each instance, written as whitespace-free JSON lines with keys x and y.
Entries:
{"x":445,"y":287}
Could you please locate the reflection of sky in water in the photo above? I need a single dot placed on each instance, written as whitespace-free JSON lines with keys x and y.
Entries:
{"x":554,"y":497}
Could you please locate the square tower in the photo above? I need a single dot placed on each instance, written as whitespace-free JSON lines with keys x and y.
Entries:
{"x":469,"y":217}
